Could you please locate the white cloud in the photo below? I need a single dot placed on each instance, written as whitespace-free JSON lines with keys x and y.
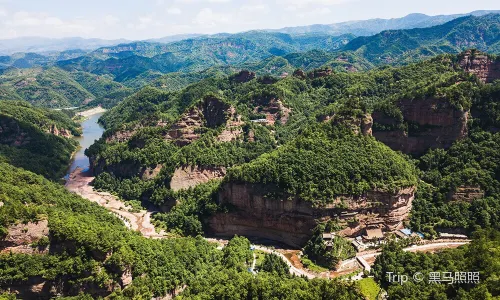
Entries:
{"x":53,"y":21}
{"x":207,"y":18}
{"x":174,"y":11}
{"x":23,"y":23}
{"x":111,"y":20}
{"x":3,"y":12}
{"x":255,"y":8}
{"x":315,"y":12}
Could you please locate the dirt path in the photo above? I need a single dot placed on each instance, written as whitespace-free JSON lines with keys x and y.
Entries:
{"x":79,"y":183}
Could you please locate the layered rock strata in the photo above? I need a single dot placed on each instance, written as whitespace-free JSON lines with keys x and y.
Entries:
{"x":431,"y":123}
{"x":253,"y":212}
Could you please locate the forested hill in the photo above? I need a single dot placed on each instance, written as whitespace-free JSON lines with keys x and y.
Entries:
{"x":36,"y":139}
{"x":55,"y":88}
{"x":402,"y":46}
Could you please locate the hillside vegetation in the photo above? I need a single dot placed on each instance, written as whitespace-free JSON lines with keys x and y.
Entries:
{"x":89,"y":251}
{"x":296,"y":151}
{"x":36,"y":139}
{"x":55,"y":88}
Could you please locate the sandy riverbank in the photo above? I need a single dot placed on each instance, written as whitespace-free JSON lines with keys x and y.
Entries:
{"x":79,"y":183}
{"x":90,"y":112}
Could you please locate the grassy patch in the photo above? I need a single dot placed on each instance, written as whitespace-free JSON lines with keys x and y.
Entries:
{"x":369,"y":288}
{"x":260,"y":257}
{"x":312,"y":266}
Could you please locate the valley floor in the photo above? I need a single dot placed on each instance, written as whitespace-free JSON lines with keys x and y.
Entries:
{"x":79,"y":182}
{"x":90,"y":112}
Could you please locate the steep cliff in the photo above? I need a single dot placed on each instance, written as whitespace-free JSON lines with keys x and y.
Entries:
{"x":190,"y":176}
{"x":486,"y":68}
{"x":211,"y":113}
{"x":330,"y":172}
{"x":425,"y":124}
{"x":253,"y":211}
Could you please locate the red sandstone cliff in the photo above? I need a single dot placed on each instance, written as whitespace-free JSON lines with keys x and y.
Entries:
{"x":432,"y":123}
{"x":290,"y":220}
{"x":480,"y":64}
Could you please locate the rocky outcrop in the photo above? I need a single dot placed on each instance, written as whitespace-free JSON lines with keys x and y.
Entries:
{"x":288,"y":219}
{"x":273,"y":109}
{"x":244,"y":76}
{"x":59,"y":132}
{"x":480,"y":64}
{"x":12,"y":134}
{"x":430,"y":123}
{"x":358,"y":124}
{"x":183,"y":132}
{"x":466,"y":193}
{"x":320,"y":73}
{"x":150,"y":173}
{"x":211,"y":113}
{"x":190,"y":176}
{"x":299,"y":73}
{"x":20,"y":237}
{"x":233,"y":129}
{"x":121,"y":136}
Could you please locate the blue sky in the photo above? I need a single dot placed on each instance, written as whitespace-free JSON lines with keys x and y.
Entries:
{"x":142,"y":19}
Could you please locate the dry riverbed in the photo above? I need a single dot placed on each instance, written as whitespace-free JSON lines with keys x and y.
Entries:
{"x":80,"y":183}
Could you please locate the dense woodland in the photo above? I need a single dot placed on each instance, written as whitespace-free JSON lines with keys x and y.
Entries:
{"x":304,"y":157}
{"x":88,"y":250}
{"x":26,"y":140}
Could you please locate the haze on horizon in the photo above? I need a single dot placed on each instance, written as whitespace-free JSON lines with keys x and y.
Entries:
{"x":134,"y":19}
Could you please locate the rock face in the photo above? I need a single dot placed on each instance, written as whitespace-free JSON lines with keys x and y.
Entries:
{"x":320,"y":73}
{"x":121,"y":135}
{"x":183,"y":132}
{"x":190,"y":176}
{"x":273,"y":109}
{"x":151,"y":172}
{"x":466,"y":193}
{"x":12,"y":134}
{"x":290,"y":220}
{"x":60,"y":132}
{"x":233,"y":129}
{"x":484,"y":67}
{"x":20,"y":236}
{"x":300,"y":74}
{"x":211,"y":113}
{"x":15,"y":133}
{"x":244,"y":76}
{"x":432,"y":123}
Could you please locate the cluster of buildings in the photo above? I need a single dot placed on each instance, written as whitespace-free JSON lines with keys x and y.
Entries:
{"x":373,"y":237}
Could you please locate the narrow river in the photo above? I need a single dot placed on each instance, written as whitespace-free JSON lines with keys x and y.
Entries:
{"x":92,"y":131}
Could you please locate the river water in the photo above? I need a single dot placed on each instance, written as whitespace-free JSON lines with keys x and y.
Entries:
{"x":92,"y":131}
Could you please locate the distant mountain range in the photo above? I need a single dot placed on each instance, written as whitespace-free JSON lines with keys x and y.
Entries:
{"x":47,"y":45}
{"x":357,"y":28}
{"x":374,"y":26}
